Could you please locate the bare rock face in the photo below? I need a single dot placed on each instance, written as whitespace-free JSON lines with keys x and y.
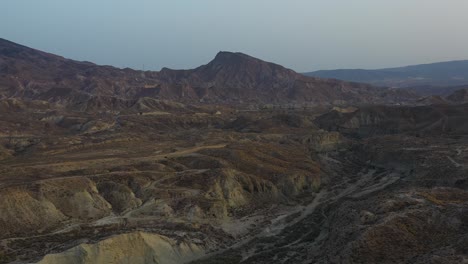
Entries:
{"x":4,"y":153}
{"x":41,"y":207}
{"x":76,"y":198}
{"x":120,"y":196}
{"x":24,"y":211}
{"x":131,"y":248}
{"x":323,"y":140}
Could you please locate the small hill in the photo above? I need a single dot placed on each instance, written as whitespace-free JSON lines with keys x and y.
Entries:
{"x":459,"y":96}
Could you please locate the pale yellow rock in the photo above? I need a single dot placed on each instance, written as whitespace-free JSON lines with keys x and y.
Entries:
{"x":132,"y":248}
{"x":76,"y":197}
{"x":21,"y":212}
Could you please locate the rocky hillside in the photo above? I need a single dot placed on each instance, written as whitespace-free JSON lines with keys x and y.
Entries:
{"x":378,"y":120}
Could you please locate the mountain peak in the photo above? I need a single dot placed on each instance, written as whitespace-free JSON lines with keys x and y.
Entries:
{"x":232,"y":57}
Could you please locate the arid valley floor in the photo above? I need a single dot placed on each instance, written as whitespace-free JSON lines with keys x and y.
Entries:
{"x":229,"y":186}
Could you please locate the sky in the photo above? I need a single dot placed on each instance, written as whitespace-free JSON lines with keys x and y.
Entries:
{"x":303,"y":35}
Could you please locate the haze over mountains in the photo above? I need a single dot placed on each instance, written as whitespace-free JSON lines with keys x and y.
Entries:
{"x":230,"y":78}
{"x":452,"y":73}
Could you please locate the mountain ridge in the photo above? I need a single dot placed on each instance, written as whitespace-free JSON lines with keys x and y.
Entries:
{"x":231,"y":77}
{"x":449,"y":73}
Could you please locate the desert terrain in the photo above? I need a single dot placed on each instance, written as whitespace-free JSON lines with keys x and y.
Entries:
{"x":237,"y":161}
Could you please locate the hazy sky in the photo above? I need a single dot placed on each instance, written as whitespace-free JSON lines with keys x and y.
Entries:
{"x":302,"y":35}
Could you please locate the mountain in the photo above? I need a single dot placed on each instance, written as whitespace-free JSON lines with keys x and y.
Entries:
{"x":229,"y":78}
{"x":450,"y":73}
{"x":237,"y":77}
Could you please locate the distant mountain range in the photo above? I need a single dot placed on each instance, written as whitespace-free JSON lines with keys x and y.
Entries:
{"x":425,"y":90}
{"x":452,"y":73}
{"x":232,"y":78}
